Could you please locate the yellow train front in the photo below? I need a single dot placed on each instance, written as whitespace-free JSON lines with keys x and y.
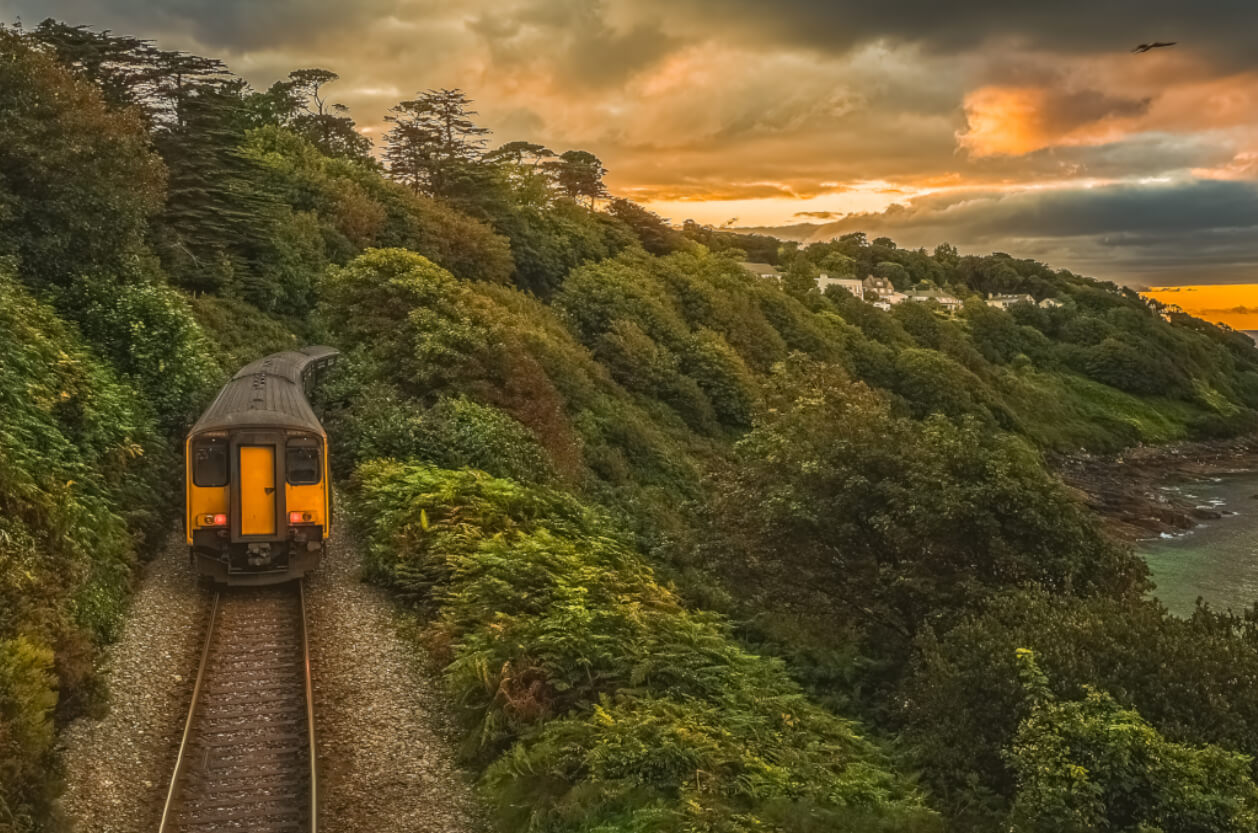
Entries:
{"x":259,"y":504}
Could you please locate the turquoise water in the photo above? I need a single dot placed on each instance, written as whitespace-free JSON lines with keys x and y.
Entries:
{"x":1218,"y":560}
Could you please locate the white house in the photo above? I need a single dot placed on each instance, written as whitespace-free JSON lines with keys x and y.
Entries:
{"x":948,"y":302}
{"x":1006,"y":301}
{"x":878,"y":286}
{"x":761,"y":270}
{"x":852,"y":285}
{"x":1050,"y":303}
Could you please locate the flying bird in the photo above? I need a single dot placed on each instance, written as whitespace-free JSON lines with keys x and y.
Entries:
{"x":1145,"y":47}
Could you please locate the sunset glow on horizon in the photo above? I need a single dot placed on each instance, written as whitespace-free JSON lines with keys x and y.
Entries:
{"x":1235,"y":305}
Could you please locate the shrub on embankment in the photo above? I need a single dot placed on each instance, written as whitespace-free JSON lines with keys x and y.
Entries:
{"x":592,"y":699}
{"x":80,"y":461}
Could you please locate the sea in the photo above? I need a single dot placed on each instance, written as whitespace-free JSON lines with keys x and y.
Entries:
{"x":1217,"y":560}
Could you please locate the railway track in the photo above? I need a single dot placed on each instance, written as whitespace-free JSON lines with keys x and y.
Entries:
{"x":247,"y":757}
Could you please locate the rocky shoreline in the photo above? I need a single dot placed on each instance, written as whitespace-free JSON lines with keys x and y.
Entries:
{"x":1126,"y":489}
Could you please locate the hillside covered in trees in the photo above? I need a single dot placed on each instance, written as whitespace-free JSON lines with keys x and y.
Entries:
{"x":695,"y":550}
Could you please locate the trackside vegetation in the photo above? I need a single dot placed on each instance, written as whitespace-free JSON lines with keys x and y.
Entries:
{"x":593,"y":698}
{"x":693,"y":549}
{"x":80,"y":466}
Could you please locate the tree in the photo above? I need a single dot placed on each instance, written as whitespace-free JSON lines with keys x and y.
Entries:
{"x":432,"y":140}
{"x":885,"y":523}
{"x":120,"y":66}
{"x":654,"y":233}
{"x":1090,"y":764}
{"x":78,"y":181}
{"x":548,"y":241}
{"x":221,"y":230}
{"x":521,"y":153}
{"x":300,"y":104}
{"x":800,"y":278}
{"x":894,"y":272}
{"x":579,"y":174}
{"x":838,"y":264}
{"x":946,"y":254}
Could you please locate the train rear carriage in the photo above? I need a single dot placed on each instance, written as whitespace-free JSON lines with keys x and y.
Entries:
{"x":259,"y":507}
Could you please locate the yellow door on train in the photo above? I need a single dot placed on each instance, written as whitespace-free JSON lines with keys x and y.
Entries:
{"x":257,"y":490}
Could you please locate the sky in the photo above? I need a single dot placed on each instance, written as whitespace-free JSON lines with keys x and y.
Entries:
{"x":1233,"y":304}
{"x":1029,"y":128}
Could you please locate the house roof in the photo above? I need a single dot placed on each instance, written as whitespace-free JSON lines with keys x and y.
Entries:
{"x":759,"y":268}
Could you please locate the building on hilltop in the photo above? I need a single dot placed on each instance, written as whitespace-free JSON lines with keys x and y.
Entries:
{"x":949,"y":302}
{"x":853,"y":285}
{"x":1006,"y":301}
{"x":878,"y":286}
{"x":1050,"y":303}
{"x":761,"y":270}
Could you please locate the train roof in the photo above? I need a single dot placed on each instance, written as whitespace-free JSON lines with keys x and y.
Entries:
{"x":269,"y":393}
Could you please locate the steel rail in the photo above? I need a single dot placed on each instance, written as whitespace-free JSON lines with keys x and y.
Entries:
{"x":180,"y":760}
{"x":174,"y":794}
{"x":310,"y":721}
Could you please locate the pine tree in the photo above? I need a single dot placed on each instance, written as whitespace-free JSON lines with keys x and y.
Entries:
{"x":579,"y":174}
{"x":300,"y":104}
{"x":433,"y":140}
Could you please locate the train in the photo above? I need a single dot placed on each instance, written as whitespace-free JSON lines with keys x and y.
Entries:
{"x":257,"y":477}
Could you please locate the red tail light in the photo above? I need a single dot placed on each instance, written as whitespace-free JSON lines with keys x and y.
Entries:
{"x":300,"y":517}
{"x":214,"y":520}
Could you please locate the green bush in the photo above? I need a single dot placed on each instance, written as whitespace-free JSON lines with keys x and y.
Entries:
{"x":408,"y":324}
{"x":354,"y":207}
{"x":723,"y":377}
{"x":148,"y":333}
{"x":80,"y":467}
{"x":78,"y":181}
{"x":28,"y":694}
{"x":238,"y":333}
{"x":548,"y":242}
{"x":456,"y":432}
{"x":1194,"y":680}
{"x":592,"y":695}
{"x":1090,"y":764}
{"x":890,"y":522}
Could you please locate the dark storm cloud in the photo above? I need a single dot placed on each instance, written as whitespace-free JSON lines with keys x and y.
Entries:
{"x":1128,"y":232}
{"x":1225,"y":29}
{"x":1236,"y":310}
{"x":575,"y":36}
{"x":1068,"y":110}
{"x":232,"y":25}
{"x":1068,"y":26}
{"x":1151,"y":154}
{"x":1151,"y":210}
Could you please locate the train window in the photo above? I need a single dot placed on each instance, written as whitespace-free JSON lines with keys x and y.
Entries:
{"x":209,"y":463}
{"x":303,"y":465}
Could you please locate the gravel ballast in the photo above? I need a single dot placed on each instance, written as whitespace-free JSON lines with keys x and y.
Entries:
{"x":385,"y":739}
{"x":118,"y":768}
{"x":384,"y":731}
